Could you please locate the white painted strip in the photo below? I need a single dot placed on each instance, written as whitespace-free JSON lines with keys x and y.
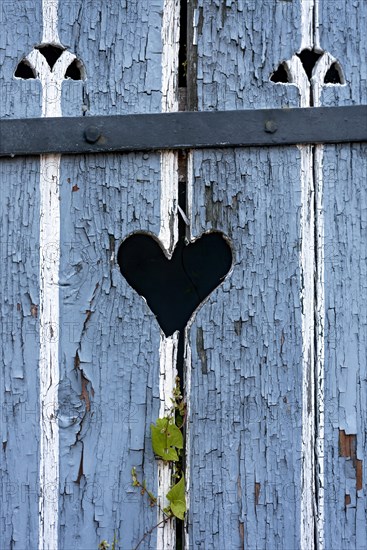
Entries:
{"x":49,"y":351}
{"x":168,"y":235}
{"x":166,"y":537}
{"x":49,"y":307}
{"x":320,"y":346}
{"x":317,"y":83}
{"x":307,"y":14}
{"x":312,"y":262}
{"x":50,"y":19}
{"x":308,"y":377}
{"x":298,"y":77}
{"x":169,"y":160}
{"x":170,"y":42}
{"x":307,"y":264}
{"x":187,"y":362}
{"x":316,"y":32}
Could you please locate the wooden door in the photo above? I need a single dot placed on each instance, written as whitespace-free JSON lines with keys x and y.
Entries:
{"x":278,"y":356}
{"x":273,"y":362}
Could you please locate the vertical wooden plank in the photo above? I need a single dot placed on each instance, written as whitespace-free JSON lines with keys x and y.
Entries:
{"x":20,"y":337}
{"x":247,"y":341}
{"x":115,"y":372}
{"x":246,"y":348}
{"x":110,"y":352}
{"x":342,"y":266}
{"x":168,"y":235}
{"x":19,"y":291}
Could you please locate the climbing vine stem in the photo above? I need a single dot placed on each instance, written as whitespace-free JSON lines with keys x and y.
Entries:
{"x":168,"y":444}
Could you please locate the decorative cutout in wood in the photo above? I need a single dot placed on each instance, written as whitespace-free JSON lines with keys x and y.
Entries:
{"x":310,"y":59}
{"x":31,"y":66}
{"x":174,"y":288}
{"x":334,"y":75}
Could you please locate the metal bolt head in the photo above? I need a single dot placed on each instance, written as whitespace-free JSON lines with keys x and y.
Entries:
{"x":270,"y":126}
{"x":92,"y":134}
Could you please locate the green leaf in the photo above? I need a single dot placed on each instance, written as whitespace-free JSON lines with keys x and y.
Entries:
{"x":179,"y":420}
{"x":166,"y":438}
{"x":177,"y":498}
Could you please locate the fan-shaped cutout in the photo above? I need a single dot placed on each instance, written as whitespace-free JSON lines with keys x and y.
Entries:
{"x":280,"y":75}
{"x":75,"y":71}
{"x":309,"y":59}
{"x":51,"y":53}
{"x":24,"y":70}
{"x":174,"y":288}
{"x":334,"y":75}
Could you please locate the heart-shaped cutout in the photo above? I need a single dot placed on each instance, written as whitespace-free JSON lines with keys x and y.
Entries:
{"x":174,"y":288}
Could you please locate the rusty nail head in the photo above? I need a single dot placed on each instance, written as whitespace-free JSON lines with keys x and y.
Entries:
{"x":271,"y":126}
{"x":92,"y":134}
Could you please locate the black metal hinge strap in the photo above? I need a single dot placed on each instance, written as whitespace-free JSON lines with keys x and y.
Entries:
{"x":183,"y":130}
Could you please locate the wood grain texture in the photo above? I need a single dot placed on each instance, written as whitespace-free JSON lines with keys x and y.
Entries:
{"x":110,"y":339}
{"x":245,"y":432}
{"x":246,"y":346}
{"x":344,"y":208}
{"x":245,"y":356}
{"x":19,"y":293}
{"x":109,"y":352}
{"x":20,"y":337}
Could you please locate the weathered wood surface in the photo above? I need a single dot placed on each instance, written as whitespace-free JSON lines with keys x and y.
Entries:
{"x":246,"y":366}
{"x":20,"y":336}
{"x":256,"y":391}
{"x":110,"y":352}
{"x":109,"y":342}
{"x":276,"y":440}
{"x":19,"y":297}
{"x":342,"y":217}
{"x":245,"y":435}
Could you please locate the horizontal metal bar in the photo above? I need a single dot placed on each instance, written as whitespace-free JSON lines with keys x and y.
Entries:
{"x":183,"y":130}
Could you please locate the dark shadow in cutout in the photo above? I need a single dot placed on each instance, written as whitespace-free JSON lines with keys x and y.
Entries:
{"x":50,"y":53}
{"x":74,"y":71}
{"x":280,"y":76}
{"x":174,"y":288}
{"x":182,"y":52}
{"x":24,"y":70}
{"x":309,"y":59}
{"x":334,"y":75}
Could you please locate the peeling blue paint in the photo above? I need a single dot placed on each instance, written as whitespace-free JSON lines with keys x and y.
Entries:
{"x":245,"y":425}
